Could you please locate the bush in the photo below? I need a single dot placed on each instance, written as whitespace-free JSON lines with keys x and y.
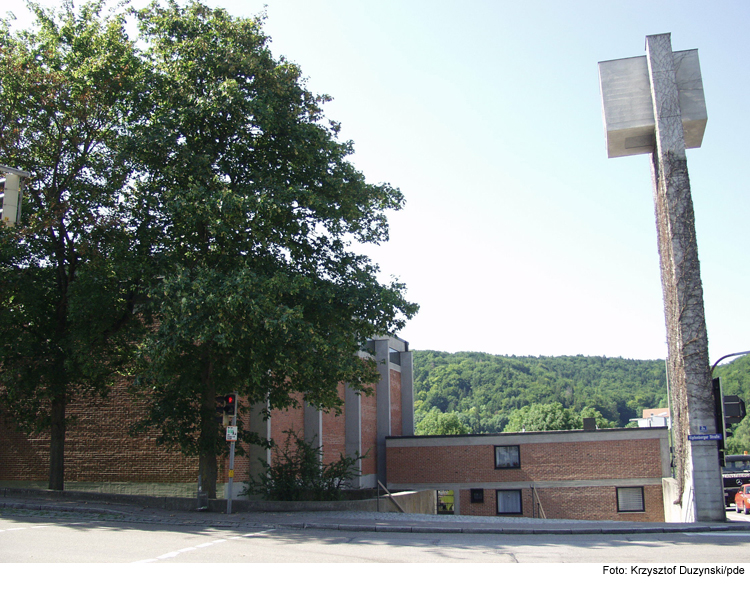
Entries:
{"x":298,"y":473}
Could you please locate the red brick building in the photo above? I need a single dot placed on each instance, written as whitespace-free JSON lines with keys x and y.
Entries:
{"x":100,"y":455}
{"x":364,"y":424}
{"x":612,"y":474}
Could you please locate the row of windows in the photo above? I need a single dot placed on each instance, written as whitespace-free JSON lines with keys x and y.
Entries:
{"x":629,"y":500}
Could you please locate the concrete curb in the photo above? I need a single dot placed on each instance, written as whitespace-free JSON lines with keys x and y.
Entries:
{"x":226,"y":522}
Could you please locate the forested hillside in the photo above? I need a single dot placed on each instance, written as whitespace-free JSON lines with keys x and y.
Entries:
{"x":735,"y":380}
{"x":480,"y":392}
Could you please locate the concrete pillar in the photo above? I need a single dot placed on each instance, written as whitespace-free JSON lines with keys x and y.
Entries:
{"x":257,"y":423}
{"x":457,"y":501}
{"x":353,"y":430}
{"x":313,"y":426}
{"x":698,"y":472}
{"x":407,"y":393}
{"x":383,"y":404}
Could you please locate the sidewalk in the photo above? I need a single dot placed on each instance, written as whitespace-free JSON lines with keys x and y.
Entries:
{"x":134,"y":510}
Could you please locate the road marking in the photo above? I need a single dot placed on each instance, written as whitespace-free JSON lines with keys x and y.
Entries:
{"x":204,"y":545}
{"x":719,"y":533}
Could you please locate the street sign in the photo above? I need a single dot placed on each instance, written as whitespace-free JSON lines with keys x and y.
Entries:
{"x":708,"y":437}
{"x":231,"y":433}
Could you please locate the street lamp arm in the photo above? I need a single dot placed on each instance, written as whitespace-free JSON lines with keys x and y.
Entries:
{"x":720,"y":359}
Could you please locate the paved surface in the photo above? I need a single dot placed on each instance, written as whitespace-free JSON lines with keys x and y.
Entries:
{"x":353,"y":520}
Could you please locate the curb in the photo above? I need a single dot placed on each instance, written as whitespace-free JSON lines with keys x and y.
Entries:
{"x":380,"y":528}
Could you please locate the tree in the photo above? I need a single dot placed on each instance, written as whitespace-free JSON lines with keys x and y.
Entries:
{"x":438,"y":423}
{"x":68,"y":272}
{"x":254,"y":208}
{"x":589,"y":412}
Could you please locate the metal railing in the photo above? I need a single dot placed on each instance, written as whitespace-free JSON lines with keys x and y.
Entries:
{"x":390,"y":497}
{"x":535,"y":494}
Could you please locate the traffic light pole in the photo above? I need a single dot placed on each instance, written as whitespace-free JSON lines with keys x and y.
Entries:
{"x":231,"y":470}
{"x":727,"y":409}
{"x":720,"y":359}
{"x":231,"y":461}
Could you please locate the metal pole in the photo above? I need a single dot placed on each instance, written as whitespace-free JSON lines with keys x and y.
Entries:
{"x":713,"y":367}
{"x":231,"y":461}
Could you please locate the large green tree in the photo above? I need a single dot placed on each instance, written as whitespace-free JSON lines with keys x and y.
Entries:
{"x":254,"y":209}
{"x":68,"y":272}
{"x":439,"y":423}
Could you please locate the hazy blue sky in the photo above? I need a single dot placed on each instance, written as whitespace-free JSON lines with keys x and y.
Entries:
{"x":519,"y":235}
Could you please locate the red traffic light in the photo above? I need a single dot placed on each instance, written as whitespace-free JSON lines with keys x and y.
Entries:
{"x":230,"y":404}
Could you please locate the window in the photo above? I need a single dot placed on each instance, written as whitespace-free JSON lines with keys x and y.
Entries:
{"x":507,"y":456}
{"x":630,"y":499}
{"x":477,"y":495}
{"x":509,"y":502}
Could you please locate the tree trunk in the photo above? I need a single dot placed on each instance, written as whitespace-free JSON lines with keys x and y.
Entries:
{"x":209,"y":473}
{"x":209,"y":435}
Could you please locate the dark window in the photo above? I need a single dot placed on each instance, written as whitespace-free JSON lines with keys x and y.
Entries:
{"x":477,"y":495}
{"x":509,"y":502}
{"x":394,"y":356}
{"x":630,"y":499}
{"x":507,"y":456}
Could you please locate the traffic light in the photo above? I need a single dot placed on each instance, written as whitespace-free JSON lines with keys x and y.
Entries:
{"x":230,"y":405}
{"x":730,"y":410}
{"x":226,"y":407}
{"x":734,"y":411}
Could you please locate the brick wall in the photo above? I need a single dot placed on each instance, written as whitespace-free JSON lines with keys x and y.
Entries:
{"x":583,"y":502}
{"x":539,"y":462}
{"x":334,"y":432}
{"x":97,"y":447}
{"x":575,"y":474}
{"x":288,"y":419}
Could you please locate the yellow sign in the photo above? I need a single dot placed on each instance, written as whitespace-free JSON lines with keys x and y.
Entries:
{"x":231,"y":474}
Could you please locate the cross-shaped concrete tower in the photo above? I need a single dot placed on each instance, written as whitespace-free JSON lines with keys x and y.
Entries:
{"x":654,"y":104}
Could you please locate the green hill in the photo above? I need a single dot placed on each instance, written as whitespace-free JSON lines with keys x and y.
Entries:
{"x":483,"y":390}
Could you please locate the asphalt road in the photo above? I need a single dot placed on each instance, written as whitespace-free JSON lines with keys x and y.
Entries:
{"x":33,"y":537}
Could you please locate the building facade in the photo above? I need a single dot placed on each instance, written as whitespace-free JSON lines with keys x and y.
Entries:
{"x":101,"y":455}
{"x":611,"y":474}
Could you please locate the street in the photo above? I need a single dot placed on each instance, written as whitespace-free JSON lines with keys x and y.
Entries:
{"x":29,"y":538}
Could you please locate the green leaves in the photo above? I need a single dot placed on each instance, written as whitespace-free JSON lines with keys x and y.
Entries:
{"x":253,"y":208}
{"x":67,"y":274}
{"x":297,"y":473}
{"x":188,"y":179}
{"x":485,"y":390}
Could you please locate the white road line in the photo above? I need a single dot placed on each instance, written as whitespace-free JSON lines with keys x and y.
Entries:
{"x":719,"y":533}
{"x":204,"y":545}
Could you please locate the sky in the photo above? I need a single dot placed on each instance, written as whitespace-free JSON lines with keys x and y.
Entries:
{"x":519,"y":236}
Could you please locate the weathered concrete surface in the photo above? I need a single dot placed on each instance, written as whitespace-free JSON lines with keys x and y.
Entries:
{"x":628,"y":108}
{"x":697,"y":469}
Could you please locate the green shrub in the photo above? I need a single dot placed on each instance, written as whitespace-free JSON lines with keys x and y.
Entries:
{"x":297,"y":473}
